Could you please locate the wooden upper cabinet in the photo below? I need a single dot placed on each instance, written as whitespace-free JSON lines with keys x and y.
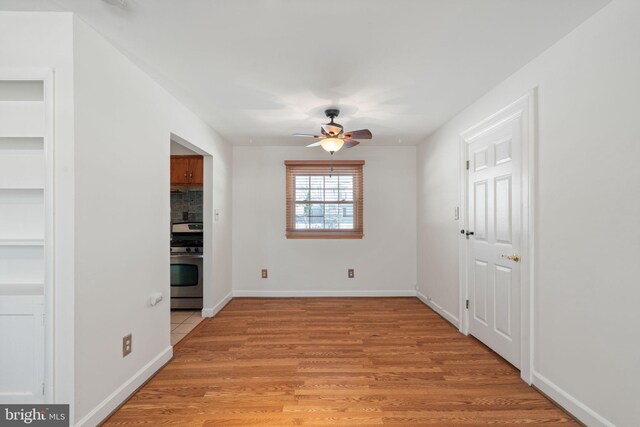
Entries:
{"x":186,"y":170}
{"x":179,"y":170}
{"x":195,"y":167}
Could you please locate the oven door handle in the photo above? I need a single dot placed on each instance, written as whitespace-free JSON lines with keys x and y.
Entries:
{"x":198,"y":256}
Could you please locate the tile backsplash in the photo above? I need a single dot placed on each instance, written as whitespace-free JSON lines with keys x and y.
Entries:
{"x":186,"y":206}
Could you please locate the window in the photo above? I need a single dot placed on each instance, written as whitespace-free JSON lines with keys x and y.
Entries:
{"x":324,"y":199}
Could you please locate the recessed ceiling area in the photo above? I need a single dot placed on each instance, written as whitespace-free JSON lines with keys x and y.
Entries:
{"x":258,"y":71}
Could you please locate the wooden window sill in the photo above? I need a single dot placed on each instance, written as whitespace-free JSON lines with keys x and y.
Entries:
{"x":324,"y":235}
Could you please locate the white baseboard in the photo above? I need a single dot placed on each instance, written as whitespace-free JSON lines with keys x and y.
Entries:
{"x":307,"y":294}
{"x":576,"y":408}
{"x":438,"y":309}
{"x":102,"y":411}
{"x":212,"y":311}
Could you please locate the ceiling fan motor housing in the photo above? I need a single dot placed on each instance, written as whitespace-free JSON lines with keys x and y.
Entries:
{"x":332,"y":129}
{"x":332,"y":113}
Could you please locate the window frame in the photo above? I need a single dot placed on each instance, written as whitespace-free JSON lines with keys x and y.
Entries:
{"x":323,"y":168}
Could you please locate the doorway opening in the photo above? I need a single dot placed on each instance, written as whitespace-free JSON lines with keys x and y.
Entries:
{"x":190,"y":228}
{"x":496,"y":244}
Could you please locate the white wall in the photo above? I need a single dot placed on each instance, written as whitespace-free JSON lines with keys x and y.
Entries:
{"x":180,"y":150}
{"x":384,"y":260}
{"x":587,"y":209}
{"x":123,"y":123}
{"x":45,"y":40}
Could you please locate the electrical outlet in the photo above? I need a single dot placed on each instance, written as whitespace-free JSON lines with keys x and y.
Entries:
{"x":265,"y":274}
{"x":126,"y":345}
{"x":351,"y":273}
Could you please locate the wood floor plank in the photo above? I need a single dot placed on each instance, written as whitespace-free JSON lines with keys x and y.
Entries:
{"x":334,"y":361}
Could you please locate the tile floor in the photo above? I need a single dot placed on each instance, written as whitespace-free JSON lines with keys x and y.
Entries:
{"x":182,"y":322}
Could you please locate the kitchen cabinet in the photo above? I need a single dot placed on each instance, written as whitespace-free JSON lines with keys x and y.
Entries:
{"x":186,"y":170}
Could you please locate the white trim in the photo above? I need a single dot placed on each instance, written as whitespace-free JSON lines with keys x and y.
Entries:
{"x":308,"y":294}
{"x":570,"y":403}
{"x":122,"y":393}
{"x":210,"y":312}
{"x":438,"y":309}
{"x":463,"y":247}
{"x":525,"y":109}
{"x":49,"y":238}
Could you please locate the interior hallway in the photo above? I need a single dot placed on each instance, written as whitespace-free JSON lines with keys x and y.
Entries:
{"x":334,"y":361}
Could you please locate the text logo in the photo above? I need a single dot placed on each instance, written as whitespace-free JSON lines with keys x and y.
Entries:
{"x":34,"y":415}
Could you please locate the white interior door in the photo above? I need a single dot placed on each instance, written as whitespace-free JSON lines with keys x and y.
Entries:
{"x":495,"y":218}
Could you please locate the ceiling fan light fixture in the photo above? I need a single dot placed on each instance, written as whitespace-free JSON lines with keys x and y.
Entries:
{"x":332,"y":144}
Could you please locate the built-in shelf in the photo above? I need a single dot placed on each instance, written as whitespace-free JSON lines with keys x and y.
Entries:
{"x":23,"y":213}
{"x":21,"y":90}
{"x":26,"y":217}
{"x":7,"y":289}
{"x":21,"y":143}
{"x":22,"y":118}
{"x":21,"y":242}
{"x":19,"y":187}
{"x":22,"y":163}
{"x":22,"y":264}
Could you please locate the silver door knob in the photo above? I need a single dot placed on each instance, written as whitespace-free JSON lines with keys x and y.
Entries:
{"x":514,"y":257}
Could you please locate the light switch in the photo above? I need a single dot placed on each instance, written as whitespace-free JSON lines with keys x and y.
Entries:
{"x":155,"y":298}
{"x":456,"y":213}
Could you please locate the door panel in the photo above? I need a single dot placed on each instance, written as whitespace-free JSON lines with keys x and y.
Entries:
{"x":480,"y":159}
{"x":502,"y":300}
{"x":495,"y":218}
{"x":480,"y":213}
{"x":22,"y":349}
{"x":480,"y":284}
{"x":503,"y":151}
{"x":503,"y":209}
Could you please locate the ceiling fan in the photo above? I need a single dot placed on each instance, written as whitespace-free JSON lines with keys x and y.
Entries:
{"x":332,"y":136}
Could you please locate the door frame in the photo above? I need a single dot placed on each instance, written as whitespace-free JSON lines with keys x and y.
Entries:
{"x":209,"y":216}
{"x":523,"y":109}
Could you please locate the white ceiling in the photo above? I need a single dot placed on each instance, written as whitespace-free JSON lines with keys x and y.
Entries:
{"x":260,"y":70}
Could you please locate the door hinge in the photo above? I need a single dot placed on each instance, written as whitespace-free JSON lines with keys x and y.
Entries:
{"x":467,"y":164}
{"x":42,"y":388}
{"x":467,"y":304}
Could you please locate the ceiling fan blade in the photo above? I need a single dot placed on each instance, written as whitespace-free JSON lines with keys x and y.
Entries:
{"x":331,"y":129}
{"x":359,"y":134}
{"x":315,"y":144}
{"x":348,"y":143}
{"x":308,"y":135}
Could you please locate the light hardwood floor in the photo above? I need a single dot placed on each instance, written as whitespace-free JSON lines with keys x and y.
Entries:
{"x":334,"y":361}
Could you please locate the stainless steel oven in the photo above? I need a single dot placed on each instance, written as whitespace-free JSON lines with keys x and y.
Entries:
{"x":186,"y":281}
{"x":186,"y":266}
